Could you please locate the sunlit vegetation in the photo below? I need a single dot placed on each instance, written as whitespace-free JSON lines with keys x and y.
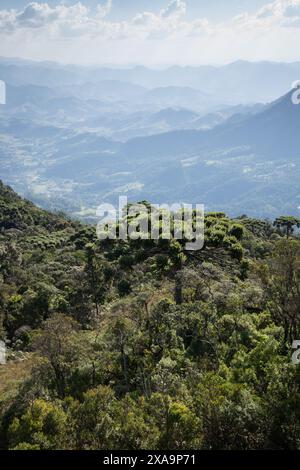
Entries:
{"x":141,"y":344}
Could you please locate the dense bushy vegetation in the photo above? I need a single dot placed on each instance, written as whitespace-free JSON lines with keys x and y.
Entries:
{"x":142,"y":345}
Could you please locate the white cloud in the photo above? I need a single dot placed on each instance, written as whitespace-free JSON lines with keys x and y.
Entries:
{"x":175,"y":8}
{"x":36,"y":15}
{"x":104,"y":10}
{"x":76,"y":33}
{"x":166,"y":22}
{"x":41,"y":15}
{"x":282,"y":13}
{"x":79,"y":18}
{"x":144,"y":19}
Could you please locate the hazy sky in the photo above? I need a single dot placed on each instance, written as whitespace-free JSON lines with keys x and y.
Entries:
{"x":151,"y":32}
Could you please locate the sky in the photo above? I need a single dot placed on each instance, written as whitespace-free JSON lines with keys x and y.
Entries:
{"x":154,"y":33}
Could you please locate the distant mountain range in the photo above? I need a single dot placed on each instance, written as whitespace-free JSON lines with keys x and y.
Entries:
{"x":235,"y":83}
{"x":73,"y":137}
{"x":272,"y":132}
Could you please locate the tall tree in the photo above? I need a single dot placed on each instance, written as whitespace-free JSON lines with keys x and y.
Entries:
{"x":288,"y":224}
{"x":284,"y":287}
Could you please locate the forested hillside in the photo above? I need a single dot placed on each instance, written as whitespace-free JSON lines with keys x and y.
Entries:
{"x":142,"y":345}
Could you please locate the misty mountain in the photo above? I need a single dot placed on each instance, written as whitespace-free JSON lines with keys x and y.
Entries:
{"x":239,"y":82}
{"x":33,"y":95}
{"x":271,"y":132}
{"x":241,"y":165}
{"x":175,"y":117}
{"x":185,"y":97}
{"x":74,"y":137}
{"x":106,"y":90}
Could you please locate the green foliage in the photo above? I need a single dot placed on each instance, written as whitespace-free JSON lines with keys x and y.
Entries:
{"x":142,"y":345}
{"x":287,"y":223}
{"x":124,"y":287}
{"x":42,"y":427}
{"x":237,"y":231}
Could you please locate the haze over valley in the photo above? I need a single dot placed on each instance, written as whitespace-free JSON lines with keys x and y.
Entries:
{"x":73,"y":137}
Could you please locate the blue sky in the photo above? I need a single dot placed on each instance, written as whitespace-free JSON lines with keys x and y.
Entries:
{"x":150,"y":32}
{"x":212,"y":9}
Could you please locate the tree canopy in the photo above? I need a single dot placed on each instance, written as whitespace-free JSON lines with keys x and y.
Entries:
{"x":139,"y":344}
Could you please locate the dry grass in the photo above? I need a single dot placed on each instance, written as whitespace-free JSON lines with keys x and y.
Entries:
{"x":12,"y":375}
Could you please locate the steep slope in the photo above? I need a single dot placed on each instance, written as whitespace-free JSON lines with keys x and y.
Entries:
{"x":21,"y":215}
{"x":272,"y":132}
